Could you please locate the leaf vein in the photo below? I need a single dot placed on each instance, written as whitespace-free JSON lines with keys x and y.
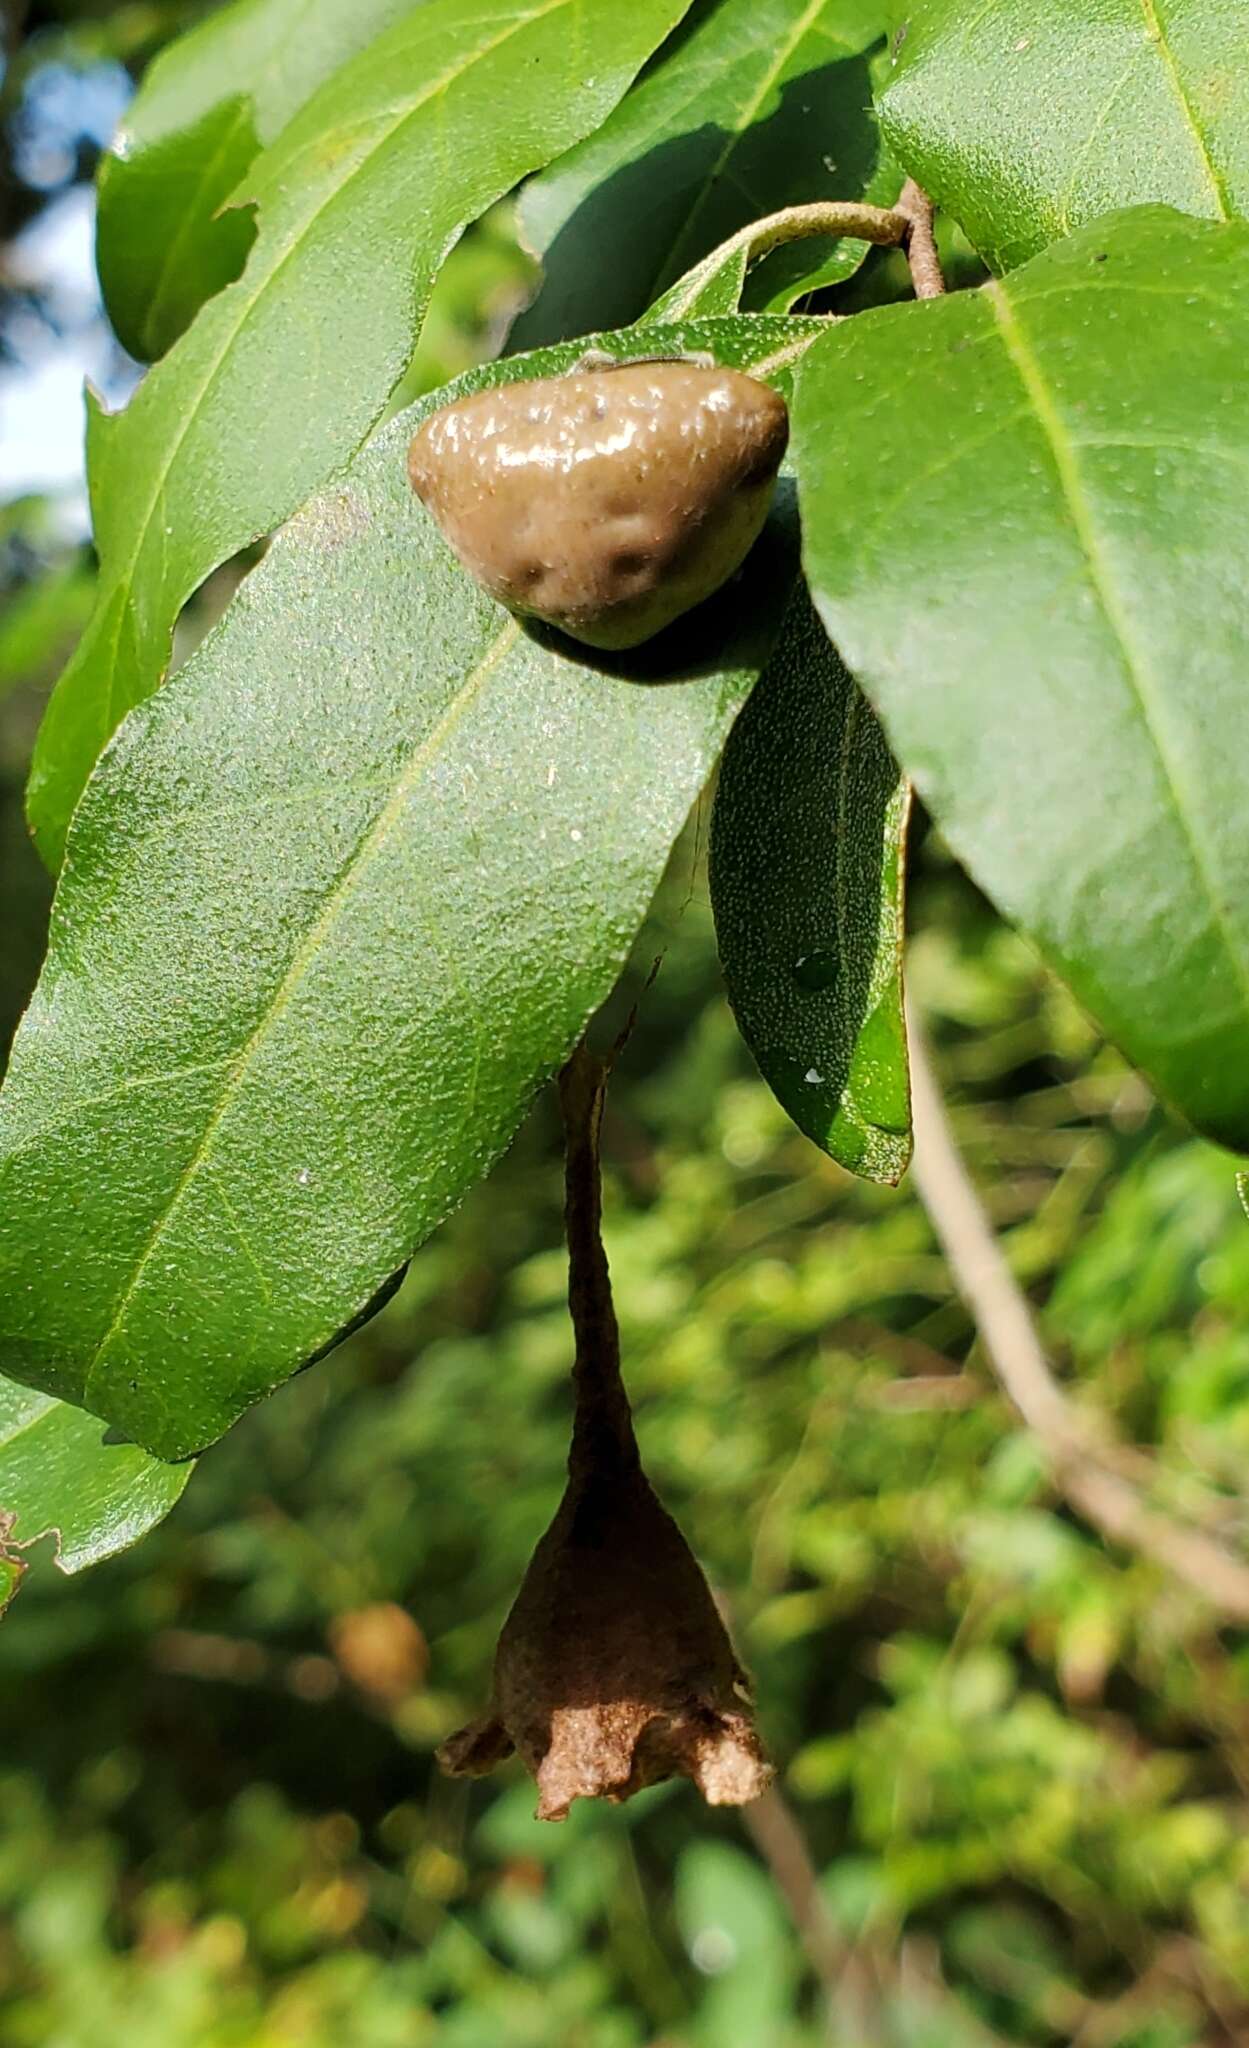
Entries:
{"x":742,"y":121}
{"x":1064,"y":455}
{"x":1156,"y":31}
{"x":129,"y":1086}
{"x":367,"y":847}
{"x":1068,"y":197}
{"x":248,"y":303}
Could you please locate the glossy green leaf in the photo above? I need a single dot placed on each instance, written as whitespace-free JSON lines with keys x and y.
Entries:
{"x":807,"y":876}
{"x":59,"y":1476}
{"x":1027,"y":121}
{"x":334,"y":903}
{"x":285,"y":371}
{"x":168,"y":237}
{"x":1026,"y":524}
{"x":753,"y":105}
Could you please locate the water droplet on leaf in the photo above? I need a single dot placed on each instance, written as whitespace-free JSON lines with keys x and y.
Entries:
{"x":815,"y":971}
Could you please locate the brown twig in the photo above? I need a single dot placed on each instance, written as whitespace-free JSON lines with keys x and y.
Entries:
{"x":920,"y":242}
{"x":854,"y":219}
{"x":884,"y":225}
{"x":1104,"y":1495}
{"x":777,"y":1835}
{"x":853,"y":1976}
{"x":842,"y":1970}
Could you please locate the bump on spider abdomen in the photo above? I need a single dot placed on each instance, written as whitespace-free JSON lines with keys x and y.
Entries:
{"x":609,"y":501}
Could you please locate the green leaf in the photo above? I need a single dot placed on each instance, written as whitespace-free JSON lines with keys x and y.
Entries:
{"x":285,"y":371}
{"x":334,"y":904}
{"x":59,"y":1476}
{"x":168,"y":238}
{"x":807,"y":876}
{"x":753,"y":105}
{"x":1027,"y":121}
{"x":733,"y":1925}
{"x":40,"y":620}
{"x":1026,"y":524}
{"x":713,"y":286}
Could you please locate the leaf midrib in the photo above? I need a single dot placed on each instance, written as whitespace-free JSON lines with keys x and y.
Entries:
{"x":179,"y":241}
{"x":1158,"y":37}
{"x":1064,"y":454}
{"x":33,"y":1421}
{"x":368,"y":846}
{"x":743,"y":121}
{"x":245,"y":103}
{"x":666,"y":116}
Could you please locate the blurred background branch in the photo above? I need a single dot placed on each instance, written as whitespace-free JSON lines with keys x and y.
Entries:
{"x":1086,"y":1470}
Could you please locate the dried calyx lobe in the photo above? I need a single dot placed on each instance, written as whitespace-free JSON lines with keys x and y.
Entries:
{"x":605,"y":502}
{"x":613,"y":1670}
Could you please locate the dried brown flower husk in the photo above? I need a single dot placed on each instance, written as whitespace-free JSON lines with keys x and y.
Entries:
{"x":614,"y":1669}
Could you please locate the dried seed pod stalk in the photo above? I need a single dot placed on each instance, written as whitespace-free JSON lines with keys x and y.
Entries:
{"x":613,"y":1670}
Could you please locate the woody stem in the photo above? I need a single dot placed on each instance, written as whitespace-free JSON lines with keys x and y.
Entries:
{"x":840,"y":217}
{"x":921,"y":241}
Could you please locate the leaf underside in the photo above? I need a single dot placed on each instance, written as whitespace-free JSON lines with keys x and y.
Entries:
{"x":807,"y":868}
{"x":59,"y":1477}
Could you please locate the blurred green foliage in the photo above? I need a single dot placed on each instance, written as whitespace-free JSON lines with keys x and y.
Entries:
{"x":1019,"y":1761}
